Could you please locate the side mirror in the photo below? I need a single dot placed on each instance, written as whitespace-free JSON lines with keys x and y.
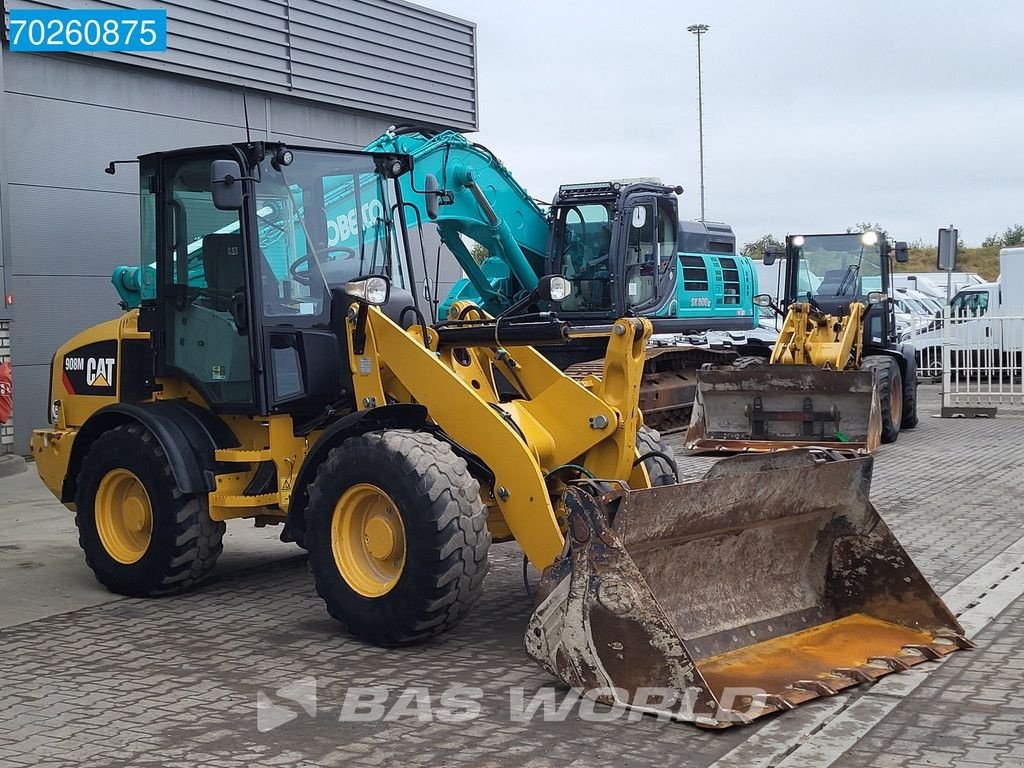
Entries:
{"x":374,"y":290}
{"x":771,"y":253}
{"x":431,"y":194}
{"x":226,"y":185}
{"x":553,"y":288}
{"x":766,"y":300}
{"x":902,"y":256}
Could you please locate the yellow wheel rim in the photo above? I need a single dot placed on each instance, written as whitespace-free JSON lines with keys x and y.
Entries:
{"x":895,"y":402}
{"x":368,"y":540}
{"x":124,"y":516}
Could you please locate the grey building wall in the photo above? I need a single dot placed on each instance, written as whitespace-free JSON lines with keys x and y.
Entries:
{"x":65,"y":224}
{"x":381,"y":56}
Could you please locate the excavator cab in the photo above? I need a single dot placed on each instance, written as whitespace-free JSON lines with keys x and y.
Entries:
{"x":616,"y":243}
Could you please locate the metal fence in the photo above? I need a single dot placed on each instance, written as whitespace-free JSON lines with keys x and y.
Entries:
{"x":979,"y":358}
{"x":925,"y":333}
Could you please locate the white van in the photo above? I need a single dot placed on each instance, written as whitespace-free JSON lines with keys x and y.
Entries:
{"x":934,"y":283}
{"x":986,"y":322}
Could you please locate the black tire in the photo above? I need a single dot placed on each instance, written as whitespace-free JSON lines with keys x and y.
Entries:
{"x":660,"y":470}
{"x":888,"y":382}
{"x":749,"y":361}
{"x":184,"y":543}
{"x":910,"y":397}
{"x":445,"y":534}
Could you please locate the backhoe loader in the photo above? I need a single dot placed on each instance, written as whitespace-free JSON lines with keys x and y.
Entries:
{"x":836,"y":376}
{"x":262,"y":381}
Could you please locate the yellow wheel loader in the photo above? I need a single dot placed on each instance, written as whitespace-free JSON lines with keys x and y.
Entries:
{"x":836,"y":376}
{"x":280,"y":370}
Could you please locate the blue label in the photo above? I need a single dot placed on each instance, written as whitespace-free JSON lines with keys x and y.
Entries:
{"x":88,"y":30}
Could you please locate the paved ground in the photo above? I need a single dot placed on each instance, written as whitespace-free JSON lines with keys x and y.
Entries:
{"x":969,"y":714}
{"x":213,"y":677}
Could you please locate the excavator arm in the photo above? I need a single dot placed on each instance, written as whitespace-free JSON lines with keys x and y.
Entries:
{"x":483,"y":202}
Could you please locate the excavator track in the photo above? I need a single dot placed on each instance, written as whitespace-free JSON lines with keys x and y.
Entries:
{"x":669,"y":386}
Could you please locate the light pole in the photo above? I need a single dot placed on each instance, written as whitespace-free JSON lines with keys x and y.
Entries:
{"x":698,"y":30}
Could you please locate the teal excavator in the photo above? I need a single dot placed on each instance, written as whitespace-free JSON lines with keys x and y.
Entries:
{"x":620,"y":244}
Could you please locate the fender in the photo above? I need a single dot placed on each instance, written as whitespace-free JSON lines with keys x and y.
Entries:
{"x":903,"y":354}
{"x":187,"y":434}
{"x":909,"y":367}
{"x":394,"y":416}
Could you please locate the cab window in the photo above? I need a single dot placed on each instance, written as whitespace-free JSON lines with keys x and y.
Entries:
{"x":585,"y":243}
{"x":970,"y":304}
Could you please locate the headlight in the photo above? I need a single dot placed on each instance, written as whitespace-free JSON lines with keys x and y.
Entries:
{"x":559,"y":288}
{"x":869,"y":238}
{"x":798,"y":241}
{"x":282,"y":158}
{"x":553,"y":288}
{"x":374,"y":289}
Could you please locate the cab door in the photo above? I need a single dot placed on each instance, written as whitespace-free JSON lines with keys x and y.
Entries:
{"x":204,"y":284}
{"x":649,"y":263}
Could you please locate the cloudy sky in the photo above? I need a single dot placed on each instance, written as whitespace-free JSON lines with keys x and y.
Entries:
{"x":817,"y":113}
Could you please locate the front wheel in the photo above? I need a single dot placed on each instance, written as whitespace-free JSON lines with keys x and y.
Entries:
{"x":141,"y":536}
{"x":397,"y":536}
{"x":660,"y":461}
{"x":889,"y":385}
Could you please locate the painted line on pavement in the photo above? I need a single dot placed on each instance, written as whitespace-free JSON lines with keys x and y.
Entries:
{"x":833,"y":725}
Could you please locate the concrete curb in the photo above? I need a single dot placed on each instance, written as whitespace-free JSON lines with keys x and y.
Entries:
{"x":10,"y":464}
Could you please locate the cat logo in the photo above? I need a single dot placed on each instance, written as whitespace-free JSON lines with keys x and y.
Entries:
{"x":99,"y":372}
{"x":234,"y":250}
{"x":91,"y":369}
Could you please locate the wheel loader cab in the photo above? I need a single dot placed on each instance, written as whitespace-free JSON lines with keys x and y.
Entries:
{"x":250,"y":242}
{"x":833,"y":270}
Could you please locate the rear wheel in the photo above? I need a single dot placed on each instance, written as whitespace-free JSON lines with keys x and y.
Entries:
{"x":660,"y":468}
{"x":141,"y":536}
{"x":397,"y":536}
{"x":889,"y":385}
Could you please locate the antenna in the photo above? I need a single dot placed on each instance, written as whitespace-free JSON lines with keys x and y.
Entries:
{"x":245,"y":109}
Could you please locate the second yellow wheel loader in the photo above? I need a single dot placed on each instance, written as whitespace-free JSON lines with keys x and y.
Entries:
{"x":276,"y":375}
{"x":836,"y":376}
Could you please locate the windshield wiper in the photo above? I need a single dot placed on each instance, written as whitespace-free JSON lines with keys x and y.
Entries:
{"x":848,"y":278}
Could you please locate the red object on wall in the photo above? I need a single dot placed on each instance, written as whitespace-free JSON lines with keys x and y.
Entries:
{"x":6,"y":392}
